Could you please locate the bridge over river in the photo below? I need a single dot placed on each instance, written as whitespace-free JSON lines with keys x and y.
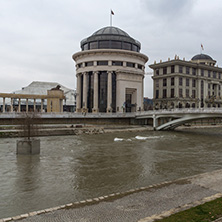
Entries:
{"x":161,"y":119}
{"x":170,"y":119}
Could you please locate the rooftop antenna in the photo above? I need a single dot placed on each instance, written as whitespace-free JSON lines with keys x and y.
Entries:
{"x":111,"y":14}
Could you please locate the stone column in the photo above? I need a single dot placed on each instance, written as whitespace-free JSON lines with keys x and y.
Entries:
{"x":42,"y":101}
{"x":109,"y":92}
{"x":198,"y":93}
{"x":176,"y":86}
{"x":78,"y":93}
{"x":19,"y":105}
{"x":3,"y":105}
{"x":27,"y":105}
{"x":34,"y":105}
{"x":11,"y":105}
{"x":142,"y":102}
{"x":95,"y":95}
{"x":85,"y":89}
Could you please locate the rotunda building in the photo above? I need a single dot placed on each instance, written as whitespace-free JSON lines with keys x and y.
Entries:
{"x":110,"y":72}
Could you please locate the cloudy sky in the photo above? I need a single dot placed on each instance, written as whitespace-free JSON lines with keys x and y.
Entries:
{"x":38,"y":37}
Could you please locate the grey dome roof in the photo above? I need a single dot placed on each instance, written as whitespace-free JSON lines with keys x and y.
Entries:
{"x":202,"y":57}
{"x":110,"y":30}
{"x":110,"y":33}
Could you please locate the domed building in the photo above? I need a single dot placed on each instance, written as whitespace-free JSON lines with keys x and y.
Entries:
{"x":184,"y":84}
{"x":110,"y":72}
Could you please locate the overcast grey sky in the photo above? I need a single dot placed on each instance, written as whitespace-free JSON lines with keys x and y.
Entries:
{"x":38,"y":37}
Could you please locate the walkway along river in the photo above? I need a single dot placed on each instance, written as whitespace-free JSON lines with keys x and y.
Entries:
{"x":73,"y":168}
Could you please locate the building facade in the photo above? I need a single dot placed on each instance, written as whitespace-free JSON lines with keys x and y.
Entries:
{"x":110,"y":72}
{"x":184,"y":84}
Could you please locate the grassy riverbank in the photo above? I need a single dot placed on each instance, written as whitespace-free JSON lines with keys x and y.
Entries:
{"x":209,"y":211}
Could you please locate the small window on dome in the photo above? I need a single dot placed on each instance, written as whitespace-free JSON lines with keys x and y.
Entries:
{"x":85,"y":47}
{"x":93,"y":45}
{"x":126,"y":46}
{"x":116,"y":45}
{"x":135,"y":48}
{"x":104,"y":44}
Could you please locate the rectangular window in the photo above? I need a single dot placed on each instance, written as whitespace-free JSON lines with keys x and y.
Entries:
{"x":79,"y":65}
{"x":202,"y":88}
{"x":180,"y":92}
{"x":102,"y":63}
{"x":157,"y":94}
{"x":180,"y":81}
{"x":164,"y":93}
{"x":194,"y":93}
{"x":208,"y":85}
{"x":187,"y":82}
{"x":89,"y":64}
{"x":140,"y":66}
{"x":157,"y":83}
{"x":157,"y":72}
{"x":172,"y":69}
{"x":172,"y":81}
{"x":193,"y":83}
{"x":180,"y":69}
{"x":214,"y":75}
{"x":187,"y":93}
{"x":194,"y":71}
{"x":164,"y":82}
{"x":117,"y":63}
{"x":219,"y":75}
{"x":187,"y":70}
{"x":130,"y":64}
{"x":209,"y":73}
{"x":164,"y":70}
{"x":172,"y":93}
{"x":202,"y":72}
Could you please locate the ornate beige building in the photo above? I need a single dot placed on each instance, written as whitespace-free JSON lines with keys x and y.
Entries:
{"x":110,"y":72}
{"x":183,"y":84}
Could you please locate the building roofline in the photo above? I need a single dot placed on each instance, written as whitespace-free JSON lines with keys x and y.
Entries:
{"x":183,"y":62}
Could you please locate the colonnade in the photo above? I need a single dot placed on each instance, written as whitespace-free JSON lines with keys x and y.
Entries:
{"x":12,"y":105}
{"x":54,"y":101}
{"x":82,"y":93}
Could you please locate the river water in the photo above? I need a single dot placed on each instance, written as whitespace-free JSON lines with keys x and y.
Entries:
{"x":73,"y":168}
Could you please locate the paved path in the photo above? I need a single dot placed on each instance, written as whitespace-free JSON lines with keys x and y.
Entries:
{"x":143,"y":205}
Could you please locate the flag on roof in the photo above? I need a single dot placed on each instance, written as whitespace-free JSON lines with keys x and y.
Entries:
{"x":202,"y":47}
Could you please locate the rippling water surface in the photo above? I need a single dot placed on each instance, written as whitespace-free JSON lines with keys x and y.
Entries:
{"x":73,"y":168}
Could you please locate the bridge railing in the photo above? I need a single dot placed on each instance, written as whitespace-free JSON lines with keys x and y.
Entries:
{"x":184,"y":110}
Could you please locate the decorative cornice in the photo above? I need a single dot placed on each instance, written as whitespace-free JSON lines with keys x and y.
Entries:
{"x":109,"y":51}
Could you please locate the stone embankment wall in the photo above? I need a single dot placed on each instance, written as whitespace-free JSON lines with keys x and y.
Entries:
{"x":59,"y":130}
{"x":54,"y":131}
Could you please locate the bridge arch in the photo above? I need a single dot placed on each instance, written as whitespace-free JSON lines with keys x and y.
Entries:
{"x":171,"y":125}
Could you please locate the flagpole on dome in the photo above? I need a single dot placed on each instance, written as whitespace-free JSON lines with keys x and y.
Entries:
{"x":111,"y":14}
{"x":202,"y":48}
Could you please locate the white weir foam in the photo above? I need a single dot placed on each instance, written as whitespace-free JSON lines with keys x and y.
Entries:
{"x":117,"y":139}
